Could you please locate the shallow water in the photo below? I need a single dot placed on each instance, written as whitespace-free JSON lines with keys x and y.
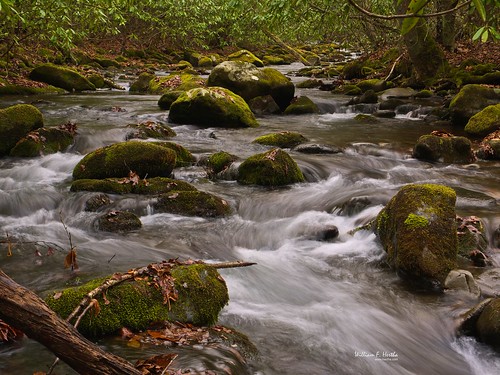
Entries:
{"x":309,"y":306}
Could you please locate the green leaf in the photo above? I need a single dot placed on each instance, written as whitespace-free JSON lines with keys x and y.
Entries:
{"x":415,"y":7}
{"x":485,"y":35}
{"x":480,"y":8}
{"x":478,"y":33}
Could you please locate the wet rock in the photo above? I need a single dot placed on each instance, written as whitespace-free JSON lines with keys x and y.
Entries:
{"x":471,"y":236}
{"x":96,"y":202}
{"x":390,"y":104}
{"x":212,"y":106}
{"x":314,"y":148}
{"x":489,"y":282}
{"x":192,"y":203}
{"x":119,"y":221}
{"x":284,"y":139}
{"x":417,"y":229}
{"x":368,"y":97}
{"x":444,"y":148}
{"x":271,"y":168}
{"x":246,"y":56}
{"x":488,"y":324}
{"x":184,"y":157}
{"x":150,"y":129}
{"x":496,"y":238}
{"x":489,"y":148}
{"x":397,"y":93}
{"x":144,"y":158}
{"x":462,"y":280}
{"x":44,"y":141}
{"x":470,"y":100}
{"x":58,"y":76}
{"x":15,"y":122}
{"x":139,"y":303}
{"x":141,"y":84}
{"x":372,"y":84}
{"x":310,"y":83}
{"x":179,"y":81}
{"x":385,"y":113}
{"x":300,"y":106}
{"x":327,"y":234}
{"x":247,"y":81}
{"x":218,"y":163}
{"x":264,"y":105}
{"x":484,"y":122}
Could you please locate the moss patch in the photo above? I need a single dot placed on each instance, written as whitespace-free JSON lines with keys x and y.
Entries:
{"x":484,"y":122}
{"x":281,"y":139}
{"x":192,"y":203}
{"x":58,"y":76}
{"x":15,"y":122}
{"x":150,"y":186}
{"x":42,"y":141}
{"x":300,"y":106}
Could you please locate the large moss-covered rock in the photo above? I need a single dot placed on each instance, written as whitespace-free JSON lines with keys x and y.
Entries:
{"x":443,"y":148}
{"x":271,"y":168}
{"x":43,"y":141}
{"x":192,"y":203}
{"x":184,"y":157}
{"x":489,"y":147}
{"x":150,"y":129}
{"x":150,"y":186}
{"x":144,"y":158}
{"x":182,"y":81}
{"x":138,"y":304}
{"x":484,"y":122}
{"x":417,"y":229}
{"x":218,"y":163}
{"x":300,"y":106}
{"x":58,"y":76}
{"x":119,"y":221}
{"x":246,"y":56}
{"x":212,"y":106}
{"x":488,"y":324}
{"x":281,"y":139}
{"x":15,"y":122}
{"x":141,"y":84}
{"x":470,"y":100}
{"x":248,"y":81}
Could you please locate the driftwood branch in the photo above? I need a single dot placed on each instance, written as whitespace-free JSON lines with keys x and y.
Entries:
{"x":24,"y":310}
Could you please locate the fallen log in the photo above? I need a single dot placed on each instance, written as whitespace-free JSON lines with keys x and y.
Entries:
{"x":24,"y":310}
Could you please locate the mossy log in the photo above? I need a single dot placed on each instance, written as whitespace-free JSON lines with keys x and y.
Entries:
{"x":196,"y":294}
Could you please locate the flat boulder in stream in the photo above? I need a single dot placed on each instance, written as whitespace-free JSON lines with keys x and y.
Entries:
{"x":418,"y":230}
{"x":192,"y":203}
{"x":212,"y":106}
{"x":285,"y":139}
{"x":272,"y":168}
{"x":131,"y":185}
{"x":118,"y":160}
{"x":58,"y":76}
{"x":15,"y":123}
{"x":200,"y":294}
{"x":118,"y":221}
{"x":444,"y":148}
{"x":249,"y":82}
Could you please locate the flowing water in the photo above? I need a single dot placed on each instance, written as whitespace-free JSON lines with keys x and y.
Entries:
{"x":309,"y":306}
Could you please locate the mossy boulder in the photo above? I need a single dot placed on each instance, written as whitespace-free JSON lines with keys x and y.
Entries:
{"x":470,"y":100}
{"x":168,"y":98}
{"x":264,"y":105}
{"x":218,"y":163}
{"x":245,"y":56}
{"x":484,"y":122}
{"x":418,"y":230}
{"x":447,"y":149}
{"x":118,"y":221}
{"x":275,"y":60}
{"x":138,"y":304}
{"x":141,"y":84}
{"x":355,"y":69}
{"x":488,"y":324}
{"x":212,"y":106}
{"x":11,"y":89}
{"x":144,"y":158}
{"x":58,"y":76}
{"x":489,"y":148}
{"x":182,"y":81}
{"x":310,"y":83}
{"x":150,"y":186}
{"x":150,"y":129}
{"x":271,"y":168}
{"x":43,"y":141}
{"x":15,"y":122}
{"x":192,"y":203}
{"x":372,"y":84}
{"x":247,"y":81}
{"x":184,"y":157}
{"x":301,"y":106}
{"x":283,"y":139}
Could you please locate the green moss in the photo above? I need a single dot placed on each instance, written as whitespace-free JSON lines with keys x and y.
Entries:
{"x":110,"y":186}
{"x":212,"y":106}
{"x":372,"y":84}
{"x":192,"y":203}
{"x":15,"y":122}
{"x":219,"y":162}
{"x":444,"y":149}
{"x":484,"y":122}
{"x":42,"y":142}
{"x":282,"y":139}
{"x":488,"y":324}
{"x":150,"y":129}
{"x":142,"y":83}
{"x":184,"y":157}
{"x":301,"y":105}
{"x":175,"y":82}
{"x":64,"y":78}
{"x":143,"y":158}
{"x":309,"y":83}
{"x":470,"y":100}
{"x":272,"y":168}
{"x":168,"y":98}
{"x":416,"y":221}
{"x":150,"y":186}
{"x":246,"y":56}
{"x":119,"y":221}
{"x":274,"y":60}
{"x":8,"y":89}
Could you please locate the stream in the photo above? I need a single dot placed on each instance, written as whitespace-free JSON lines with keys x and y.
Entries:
{"x":309,"y":306}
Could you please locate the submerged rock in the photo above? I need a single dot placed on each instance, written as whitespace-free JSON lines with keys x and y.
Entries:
{"x":96,"y":202}
{"x":283,"y":139}
{"x":138,"y":304}
{"x":118,"y":221}
{"x":58,"y":76}
{"x":15,"y":122}
{"x":212,"y":106}
{"x":271,"y":168}
{"x":150,"y":186}
{"x":417,"y":229}
{"x":264,"y":105}
{"x":192,"y":203}
{"x":150,"y":129}
{"x":144,"y":158}
{"x":447,"y":149}
{"x":249,"y":82}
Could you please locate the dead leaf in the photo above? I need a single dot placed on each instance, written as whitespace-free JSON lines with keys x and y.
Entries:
{"x":57,"y":295}
{"x":70,"y":260}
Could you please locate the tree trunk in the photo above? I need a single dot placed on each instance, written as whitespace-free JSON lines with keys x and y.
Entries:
{"x":445,"y":28}
{"x":425,"y":54}
{"x":24,"y":310}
